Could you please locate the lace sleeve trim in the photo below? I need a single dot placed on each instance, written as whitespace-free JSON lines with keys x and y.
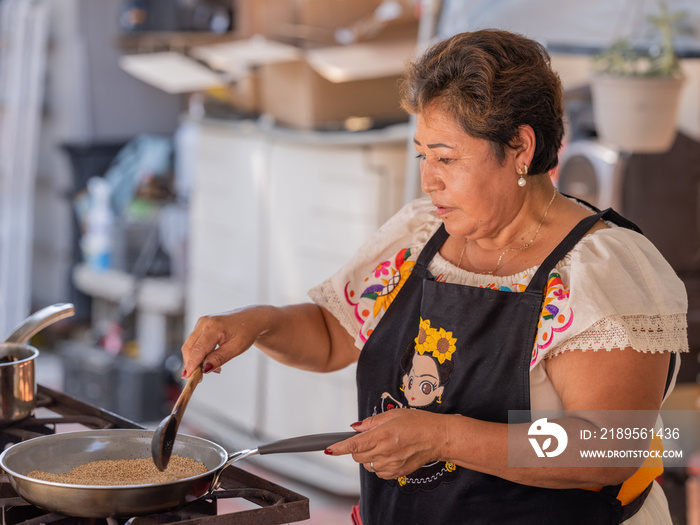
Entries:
{"x":325,"y":296}
{"x":659,"y":333}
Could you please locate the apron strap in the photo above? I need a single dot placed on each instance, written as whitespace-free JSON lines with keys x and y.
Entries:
{"x":539,"y":280}
{"x":432,"y":246}
{"x":671,"y":371}
{"x":632,"y":507}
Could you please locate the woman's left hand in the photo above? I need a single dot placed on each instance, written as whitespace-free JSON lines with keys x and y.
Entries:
{"x":397,"y":442}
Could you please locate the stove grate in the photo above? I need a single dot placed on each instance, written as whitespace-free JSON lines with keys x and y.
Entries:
{"x":273,"y":504}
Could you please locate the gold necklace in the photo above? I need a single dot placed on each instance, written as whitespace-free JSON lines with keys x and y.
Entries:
{"x":524,"y":247}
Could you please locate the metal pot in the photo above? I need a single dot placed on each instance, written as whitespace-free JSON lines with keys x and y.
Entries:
{"x":17,"y":383}
{"x":17,"y":379}
{"x":59,"y":453}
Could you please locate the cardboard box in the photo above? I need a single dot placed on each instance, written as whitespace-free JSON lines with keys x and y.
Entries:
{"x":239,"y":62}
{"x":314,"y":23}
{"x":303,"y":88}
{"x":171,"y":72}
{"x":329,"y":88}
{"x":242,"y":94}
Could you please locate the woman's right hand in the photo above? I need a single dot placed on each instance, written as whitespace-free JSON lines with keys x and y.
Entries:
{"x":304,"y":336}
{"x":219,"y":338}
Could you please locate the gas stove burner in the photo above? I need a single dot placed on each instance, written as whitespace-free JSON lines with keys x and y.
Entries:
{"x":277,"y":505}
{"x":239,"y":491}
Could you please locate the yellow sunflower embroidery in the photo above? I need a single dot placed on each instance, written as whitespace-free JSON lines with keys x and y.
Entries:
{"x":444,"y":346}
{"x":426,"y":337}
{"x":392,"y":286}
{"x":450,"y":467}
{"x":402,"y":480}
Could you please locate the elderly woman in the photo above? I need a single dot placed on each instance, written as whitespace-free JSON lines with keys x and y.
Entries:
{"x":495,"y":294}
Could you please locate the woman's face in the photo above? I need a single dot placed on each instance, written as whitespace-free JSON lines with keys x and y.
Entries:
{"x":473,"y":193}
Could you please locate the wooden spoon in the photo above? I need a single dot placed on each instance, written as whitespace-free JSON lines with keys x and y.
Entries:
{"x":164,"y":435}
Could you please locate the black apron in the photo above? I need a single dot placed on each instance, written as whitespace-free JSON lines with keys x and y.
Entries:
{"x":470,"y":356}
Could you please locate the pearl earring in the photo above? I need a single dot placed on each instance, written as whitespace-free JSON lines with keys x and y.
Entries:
{"x":521,"y":172}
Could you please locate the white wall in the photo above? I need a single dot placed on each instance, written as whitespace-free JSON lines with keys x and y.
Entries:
{"x":592,"y":23}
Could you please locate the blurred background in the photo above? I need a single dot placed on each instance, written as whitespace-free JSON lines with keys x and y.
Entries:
{"x":165,"y":159}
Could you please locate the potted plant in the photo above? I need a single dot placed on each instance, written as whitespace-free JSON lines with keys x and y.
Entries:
{"x":636,"y":93}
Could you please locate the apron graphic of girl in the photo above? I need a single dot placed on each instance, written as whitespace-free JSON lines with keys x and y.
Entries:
{"x":427,"y":367}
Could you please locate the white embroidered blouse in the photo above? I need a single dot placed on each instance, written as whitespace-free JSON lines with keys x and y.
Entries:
{"x":613,"y":290}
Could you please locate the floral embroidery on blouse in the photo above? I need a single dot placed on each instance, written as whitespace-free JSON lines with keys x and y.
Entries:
{"x":388,"y":277}
{"x":515,"y":287}
{"x":386,"y":280}
{"x":556,"y":316}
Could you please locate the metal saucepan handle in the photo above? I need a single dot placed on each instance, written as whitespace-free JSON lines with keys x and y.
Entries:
{"x":40,"y":320}
{"x":308,"y":443}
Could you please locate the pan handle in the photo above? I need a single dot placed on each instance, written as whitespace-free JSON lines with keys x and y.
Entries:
{"x":308,"y":443}
{"x":304,"y":443}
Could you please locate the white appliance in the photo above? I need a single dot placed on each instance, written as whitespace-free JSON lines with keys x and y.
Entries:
{"x":592,"y":172}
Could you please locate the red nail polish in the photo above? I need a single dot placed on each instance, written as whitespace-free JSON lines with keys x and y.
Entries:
{"x":184,"y":373}
{"x":328,"y":452}
{"x":207,"y":368}
{"x":356,"y":424}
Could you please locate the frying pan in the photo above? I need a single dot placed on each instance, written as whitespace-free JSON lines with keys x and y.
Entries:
{"x":59,"y":453}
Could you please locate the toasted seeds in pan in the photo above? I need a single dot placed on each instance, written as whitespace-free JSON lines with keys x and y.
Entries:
{"x":125,"y":472}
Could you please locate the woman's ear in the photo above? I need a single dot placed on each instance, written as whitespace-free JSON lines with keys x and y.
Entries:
{"x":525,"y":145}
